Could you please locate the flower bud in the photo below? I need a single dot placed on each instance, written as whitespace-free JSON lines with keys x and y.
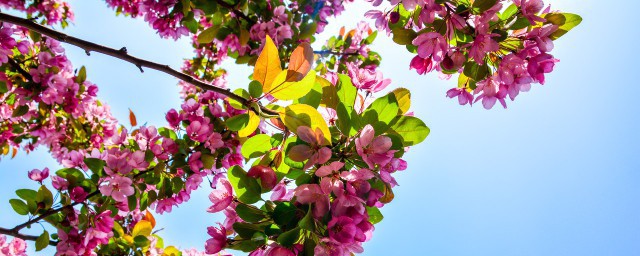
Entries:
{"x":394,"y":17}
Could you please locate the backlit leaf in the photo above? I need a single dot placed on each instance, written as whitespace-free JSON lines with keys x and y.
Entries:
{"x":268,"y":65}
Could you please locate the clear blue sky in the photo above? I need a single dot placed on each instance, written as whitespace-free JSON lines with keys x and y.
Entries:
{"x":558,"y":173}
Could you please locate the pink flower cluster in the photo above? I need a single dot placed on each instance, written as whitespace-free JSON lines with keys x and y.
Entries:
{"x":54,"y":11}
{"x":82,"y":242}
{"x":17,"y":247}
{"x":517,"y":68}
{"x":158,"y":13}
{"x":48,"y":90}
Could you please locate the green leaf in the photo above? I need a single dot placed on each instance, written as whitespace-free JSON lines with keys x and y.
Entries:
{"x":564,"y":21}
{"x":284,"y":214}
{"x":207,"y":160}
{"x":255,"y":89}
{"x":509,"y":12}
{"x":246,"y":230}
{"x":3,"y":87}
{"x":479,"y":6}
{"x":381,"y":112}
{"x":375,"y":216}
{"x":308,"y":222}
{"x":246,"y":188}
{"x":238,"y":122}
{"x":42,"y":241}
{"x":44,"y":196}
{"x":403,"y":36}
{"x":96,"y":165}
{"x":250,"y":213}
{"x":314,"y":96}
{"x":167,"y":133}
{"x":27,"y":194}
{"x":19,"y":206}
{"x":82,"y":75}
{"x":346,"y":91}
{"x":256,"y":146}
{"x":190,"y":23}
{"x":20,"y":111}
{"x":475,"y":71}
{"x":344,"y":119}
{"x":411,"y":129}
{"x":208,"y":34}
{"x":141,"y":241}
{"x":287,"y":239}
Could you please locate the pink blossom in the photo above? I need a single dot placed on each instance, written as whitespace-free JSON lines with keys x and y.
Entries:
{"x":330,"y":178}
{"x":198,"y":131}
{"x":374,"y":150}
{"x":39,"y":176}
{"x":464,"y":97}
{"x":173,"y":118}
{"x":314,"y":152}
{"x":366,"y":78}
{"x":280,"y":193}
{"x":431,"y":45}
{"x":530,"y":8}
{"x":217,"y":241}
{"x":78,"y":194}
{"x":118,"y":187}
{"x":221,"y":196}
{"x":313,"y":194}
{"x":343,"y":230}
{"x":17,"y":247}
{"x":481,"y":46}
{"x":422,"y":65}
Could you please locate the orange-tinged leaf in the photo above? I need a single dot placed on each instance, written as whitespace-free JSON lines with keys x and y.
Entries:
{"x":342,"y":31}
{"x":149,"y":217}
{"x":351,"y":33}
{"x":268,"y":65}
{"x":15,"y":151}
{"x":300,"y":62}
{"x":132,"y":118}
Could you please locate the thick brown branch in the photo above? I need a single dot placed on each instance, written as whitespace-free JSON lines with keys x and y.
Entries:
{"x":123,"y":55}
{"x":12,"y":233}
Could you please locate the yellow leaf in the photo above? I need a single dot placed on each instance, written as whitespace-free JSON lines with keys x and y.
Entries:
{"x":132,"y":118}
{"x":128,"y":238}
{"x":244,"y":37}
{"x":149,"y":217}
{"x":284,"y":90}
{"x":171,"y":251}
{"x":300,"y":62}
{"x":208,"y":34}
{"x":297,"y":115}
{"x":254,"y":122}
{"x":329,"y":94}
{"x":268,"y":65}
{"x":403,"y":97}
{"x":142,"y":228}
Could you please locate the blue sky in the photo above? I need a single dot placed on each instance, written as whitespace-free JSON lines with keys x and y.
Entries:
{"x":557,"y":173}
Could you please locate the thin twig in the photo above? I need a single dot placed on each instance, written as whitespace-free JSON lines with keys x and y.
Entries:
{"x":123,"y":55}
{"x":12,"y":233}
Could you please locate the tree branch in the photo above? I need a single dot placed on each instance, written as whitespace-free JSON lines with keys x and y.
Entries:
{"x":12,"y":233}
{"x":123,"y":55}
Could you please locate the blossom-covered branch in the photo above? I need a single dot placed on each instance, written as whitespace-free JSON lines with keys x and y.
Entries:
{"x":123,"y":55}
